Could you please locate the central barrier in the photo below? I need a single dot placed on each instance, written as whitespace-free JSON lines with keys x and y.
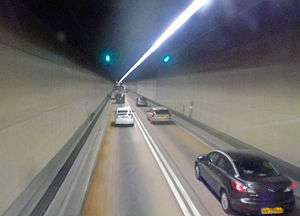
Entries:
{"x":59,"y":189}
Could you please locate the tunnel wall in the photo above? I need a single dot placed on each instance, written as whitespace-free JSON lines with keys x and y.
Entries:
{"x":23,"y":43}
{"x":42,"y":103}
{"x":259,"y":106}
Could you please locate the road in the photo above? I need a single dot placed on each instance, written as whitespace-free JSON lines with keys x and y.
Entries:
{"x":148,"y":170}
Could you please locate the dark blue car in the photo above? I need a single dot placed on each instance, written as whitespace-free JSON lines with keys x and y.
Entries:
{"x":246,"y":182}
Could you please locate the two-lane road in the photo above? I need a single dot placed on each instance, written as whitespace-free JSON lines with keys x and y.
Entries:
{"x":148,"y":170}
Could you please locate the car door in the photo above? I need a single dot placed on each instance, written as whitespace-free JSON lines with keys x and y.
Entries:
{"x":223,"y":173}
{"x":209,"y":169}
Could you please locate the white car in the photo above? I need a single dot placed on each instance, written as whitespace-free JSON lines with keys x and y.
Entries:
{"x":124,"y":116}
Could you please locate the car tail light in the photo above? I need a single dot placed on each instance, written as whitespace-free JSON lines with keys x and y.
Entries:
{"x":238,"y":186}
{"x":292,"y":187}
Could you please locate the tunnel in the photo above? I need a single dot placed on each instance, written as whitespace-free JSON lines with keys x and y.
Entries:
{"x":226,"y":81}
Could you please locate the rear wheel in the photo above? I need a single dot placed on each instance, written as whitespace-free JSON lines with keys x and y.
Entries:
{"x":225,"y":202}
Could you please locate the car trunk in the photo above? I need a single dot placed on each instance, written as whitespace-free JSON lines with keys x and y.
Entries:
{"x":269,"y":188}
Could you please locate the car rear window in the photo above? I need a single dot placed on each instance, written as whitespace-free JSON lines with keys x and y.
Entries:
{"x":122,"y":111}
{"x":121,"y":114}
{"x":162,"y":112}
{"x":255,"y":168}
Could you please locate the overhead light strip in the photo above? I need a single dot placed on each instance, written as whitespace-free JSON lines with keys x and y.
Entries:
{"x":178,"y":22}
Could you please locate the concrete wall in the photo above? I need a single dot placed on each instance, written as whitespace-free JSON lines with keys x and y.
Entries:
{"x":41,"y":105}
{"x":20,"y":42}
{"x":260,"y":106}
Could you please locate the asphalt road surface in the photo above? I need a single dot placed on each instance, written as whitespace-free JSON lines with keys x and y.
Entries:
{"x":148,"y":170}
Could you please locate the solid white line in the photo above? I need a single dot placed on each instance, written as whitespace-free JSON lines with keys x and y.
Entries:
{"x":176,"y":194}
{"x":176,"y":180}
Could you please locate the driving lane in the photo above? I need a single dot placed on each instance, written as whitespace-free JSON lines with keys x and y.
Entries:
{"x":127,"y":180}
{"x":181,"y":148}
{"x":148,"y":170}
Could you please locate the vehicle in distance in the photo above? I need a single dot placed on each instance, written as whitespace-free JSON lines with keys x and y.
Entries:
{"x":141,"y":101}
{"x":120,"y":97}
{"x":125,"y":88}
{"x":245,"y":182}
{"x":118,"y":87}
{"x":159,"y":115}
{"x":123,"y":116}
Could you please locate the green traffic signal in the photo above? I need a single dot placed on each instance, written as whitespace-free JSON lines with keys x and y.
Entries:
{"x":107,"y":58}
{"x":167,"y":59}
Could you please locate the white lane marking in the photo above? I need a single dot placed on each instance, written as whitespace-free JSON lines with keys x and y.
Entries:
{"x":178,"y":183}
{"x":180,"y":202}
{"x":164,"y":161}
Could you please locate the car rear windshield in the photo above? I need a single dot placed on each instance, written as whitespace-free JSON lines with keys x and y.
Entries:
{"x":122,"y":111}
{"x":162,"y":112}
{"x":121,"y":114}
{"x":255,"y":168}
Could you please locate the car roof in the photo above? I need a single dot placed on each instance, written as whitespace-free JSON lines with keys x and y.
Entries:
{"x":237,"y":155}
{"x":159,"y":108}
{"x":124,"y":108}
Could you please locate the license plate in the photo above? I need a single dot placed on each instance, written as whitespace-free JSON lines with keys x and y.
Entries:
{"x":163,"y":117}
{"x":276,"y":210}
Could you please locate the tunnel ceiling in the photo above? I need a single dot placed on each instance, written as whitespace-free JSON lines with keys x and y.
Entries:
{"x":126,"y":28}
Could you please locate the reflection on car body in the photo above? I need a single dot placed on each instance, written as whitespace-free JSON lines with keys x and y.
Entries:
{"x":124,"y":116}
{"x":159,"y":115}
{"x":246,"y":182}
